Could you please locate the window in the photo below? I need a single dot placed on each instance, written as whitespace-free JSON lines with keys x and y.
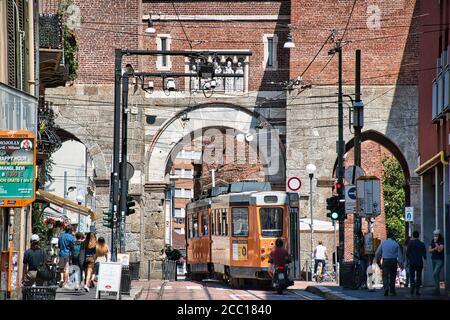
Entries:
{"x":270,"y":52}
{"x":163,"y":62}
{"x":164,"y":48}
{"x":187,"y":173}
{"x":222,"y":226}
{"x":179,"y":213}
{"x":271,"y":222}
{"x":178,"y":192}
{"x":190,"y":227}
{"x":213,"y":222}
{"x":239,"y":218}
{"x":178,"y":172}
{"x":195,"y":225}
{"x":205,"y":227}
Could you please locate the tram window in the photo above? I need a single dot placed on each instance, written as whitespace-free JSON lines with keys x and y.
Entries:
{"x":271,"y":222}
{"x":205,"y":223}
{"x":239,"y":220}
{"x":223,"y":218}
{"x":195,"y":225}
{"x":213,"y":222}
{"x":190,"y":227}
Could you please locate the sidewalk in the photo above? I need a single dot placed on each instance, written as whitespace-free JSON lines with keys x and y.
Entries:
{"x":333,"y":292}
{"x":71,"y":294}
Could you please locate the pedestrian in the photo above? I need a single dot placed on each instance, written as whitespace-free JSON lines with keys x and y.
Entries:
{"x":320,"y":255}
{"x":32,"y":260}
{"x":388,"y":255}
{"x":65,"y":244}
{"x":76,"y":259}
{"x":90,"y":244}
{"x":406,"y":261}
{"x":102,"y":254}
{"x":436,"y":249}
{"x":416,"y":255}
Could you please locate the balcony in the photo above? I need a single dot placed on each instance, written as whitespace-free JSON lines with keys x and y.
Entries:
{"x":53,"y":71}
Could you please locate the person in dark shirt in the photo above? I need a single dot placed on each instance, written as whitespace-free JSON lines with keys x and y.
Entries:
{"x":32,"y":260}
{"x":436,"y":249}
{"x":279,"y":256}
{"x":416,"y":254}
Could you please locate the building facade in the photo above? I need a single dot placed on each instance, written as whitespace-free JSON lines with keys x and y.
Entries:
{"x":434,"y":140}
{"x":303,"y":128}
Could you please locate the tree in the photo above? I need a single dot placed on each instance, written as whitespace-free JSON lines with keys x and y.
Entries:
{"x":172,"y":254}
{"x":394,"y":197}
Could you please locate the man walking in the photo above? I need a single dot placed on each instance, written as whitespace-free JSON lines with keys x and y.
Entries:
{"x":389,"y":251}
{"x":32,"y":260}
{"x":416,"y":254}
{"x":65,"y":244}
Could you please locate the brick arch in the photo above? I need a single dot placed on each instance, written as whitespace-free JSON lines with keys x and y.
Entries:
{"x":391,"y":146}
{"x":211,"y":115}
{"x":71,"y":130}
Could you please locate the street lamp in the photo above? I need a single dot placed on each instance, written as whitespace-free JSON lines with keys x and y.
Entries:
{"x":150,"y":28}
{"x":311,"y":169}
{"x":80,"y":199}
{"x":289,"y":43}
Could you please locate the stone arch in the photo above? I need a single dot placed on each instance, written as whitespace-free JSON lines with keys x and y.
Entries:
{"x":211,"y":115}
{"x":70,"y":129}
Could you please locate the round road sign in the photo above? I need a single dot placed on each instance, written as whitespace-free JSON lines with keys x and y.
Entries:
{"x":352,"y":193}
{"x":294,"y":183}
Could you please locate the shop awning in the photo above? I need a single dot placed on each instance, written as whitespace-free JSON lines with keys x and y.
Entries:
{"x":431,"y":163}
{"x":63,"y":203}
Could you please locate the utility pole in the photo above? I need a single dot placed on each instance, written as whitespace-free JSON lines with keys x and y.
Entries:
{"x":358,"y":109}
{"x":115,"y":173}
{"x":123,"y":163}
{"x":340,"y":152}
{"x":65,"y":191}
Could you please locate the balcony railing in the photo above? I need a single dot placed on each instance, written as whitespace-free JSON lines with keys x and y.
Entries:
{"x":50,"y":31}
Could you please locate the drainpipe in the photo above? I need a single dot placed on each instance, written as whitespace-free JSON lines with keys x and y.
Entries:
{"x":31,"y":45}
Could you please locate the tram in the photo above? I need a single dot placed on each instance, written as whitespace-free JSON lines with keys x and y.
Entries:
{"x":231,"y":232}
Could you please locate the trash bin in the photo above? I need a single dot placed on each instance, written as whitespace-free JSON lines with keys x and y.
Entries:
{"x":134,"y":270}
{"x":39,"y":293}
{"x":347,"y":275}
{"x":125,"y":282}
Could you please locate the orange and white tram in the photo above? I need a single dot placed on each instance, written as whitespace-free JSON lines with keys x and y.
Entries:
{"x":231,"y":235}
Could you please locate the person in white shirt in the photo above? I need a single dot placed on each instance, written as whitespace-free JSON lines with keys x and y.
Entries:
{"x":320,"y":255}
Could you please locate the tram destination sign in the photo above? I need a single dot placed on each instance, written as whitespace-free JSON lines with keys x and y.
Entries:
{"x":17,"y":168}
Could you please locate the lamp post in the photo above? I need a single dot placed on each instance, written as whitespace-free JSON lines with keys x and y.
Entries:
{"x":311,"y":169}
{"x":80,"y":201}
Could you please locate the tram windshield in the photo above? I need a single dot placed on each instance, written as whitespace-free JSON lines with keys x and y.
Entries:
{"x":271,"y":222}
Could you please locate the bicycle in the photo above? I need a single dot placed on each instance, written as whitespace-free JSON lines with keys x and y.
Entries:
{"x":358,"y":277}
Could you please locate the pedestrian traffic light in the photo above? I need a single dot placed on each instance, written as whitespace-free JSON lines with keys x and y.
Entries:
{"x":130,"y":204}
{"x":108,"y":219}
{"x":339,"y":188}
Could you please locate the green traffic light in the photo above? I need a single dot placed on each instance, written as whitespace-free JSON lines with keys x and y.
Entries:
{"x":334,"y":215}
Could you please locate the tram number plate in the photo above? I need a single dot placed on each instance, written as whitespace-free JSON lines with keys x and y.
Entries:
{"x":281,"y":276}
{"x":239,"y":250}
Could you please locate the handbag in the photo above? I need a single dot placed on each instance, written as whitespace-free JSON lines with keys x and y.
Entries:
{"x":43,"y":271}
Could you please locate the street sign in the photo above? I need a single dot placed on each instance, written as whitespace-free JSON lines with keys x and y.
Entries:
{"x":368,"y":194}
{"x":294,"y":184}
{"x":109,"y":277}
{"x":352,"y":173}
{"x":17,"y":168}
{"x":409,"y":214}
{"x":350,"y":199}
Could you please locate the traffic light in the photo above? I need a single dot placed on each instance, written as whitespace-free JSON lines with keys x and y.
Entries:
{"x":339,"y":188}
{"x":336,"y":207}
{"x":108,"y":219}
{"x":130,"y":204}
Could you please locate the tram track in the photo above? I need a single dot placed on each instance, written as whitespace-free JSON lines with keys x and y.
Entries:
{"x":161,"y":290}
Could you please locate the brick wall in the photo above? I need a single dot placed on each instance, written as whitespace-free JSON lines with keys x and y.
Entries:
{"x":389,"y":54}
{"x":372,"y":154}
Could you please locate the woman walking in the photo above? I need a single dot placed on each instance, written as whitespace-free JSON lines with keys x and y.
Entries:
{"x":90,"y":245}
{"x":102,"y":254}
{"x":436,"y":249}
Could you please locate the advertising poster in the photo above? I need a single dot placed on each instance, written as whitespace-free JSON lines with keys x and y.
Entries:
{"x":17,"y":168}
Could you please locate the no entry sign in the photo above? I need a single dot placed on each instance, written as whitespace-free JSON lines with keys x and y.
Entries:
{"x":294,"y":184}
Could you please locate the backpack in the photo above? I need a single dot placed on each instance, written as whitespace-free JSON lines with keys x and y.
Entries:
{"x":77,"y":249}
{"x":43,"y":271}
